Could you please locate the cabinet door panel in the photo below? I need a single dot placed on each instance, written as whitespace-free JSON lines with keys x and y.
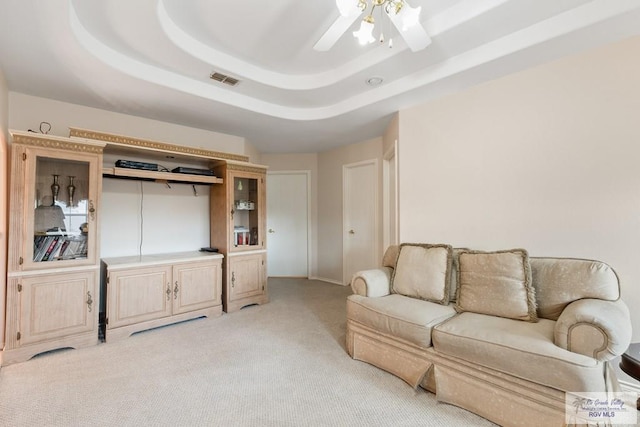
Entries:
{"x":196,"y":286}
{"x":246,"y":276}
{"x":64,"y":187}
{"x":138,"y":295}
{"x":247,"y":195}
{"x":55,"y":306}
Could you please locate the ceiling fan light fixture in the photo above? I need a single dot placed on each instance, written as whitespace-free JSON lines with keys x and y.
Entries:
{"x":410,"y":16}
{"x":365,"y":33}
{"x":405,"y":19}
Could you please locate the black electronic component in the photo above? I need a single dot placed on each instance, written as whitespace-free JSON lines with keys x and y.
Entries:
{"x":192,"y":171}
{"x":131,"y":164}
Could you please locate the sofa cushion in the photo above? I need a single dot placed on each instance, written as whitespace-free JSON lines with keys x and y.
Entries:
{"x":405,"y":318}
{"x":496,"y":283}
{"x":390,"y":256}
{"x":453,"y":286}
{"x":560,"y":281}
{"x":423,"y":271}
{"x":522,"y":349}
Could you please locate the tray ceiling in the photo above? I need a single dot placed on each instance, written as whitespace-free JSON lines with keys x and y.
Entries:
{"x":154,"y":58}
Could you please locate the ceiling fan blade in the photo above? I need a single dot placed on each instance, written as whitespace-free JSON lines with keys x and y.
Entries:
{"x":415,"y":36}
{"x":335,"y":31}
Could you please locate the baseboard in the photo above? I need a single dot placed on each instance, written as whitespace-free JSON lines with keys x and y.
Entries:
{"x":628,"y":386}
{"x":324,"y":279}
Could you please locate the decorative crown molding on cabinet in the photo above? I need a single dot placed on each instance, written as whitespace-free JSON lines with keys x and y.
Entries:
{"x":127,"y":141}
{"x":56,"y":142}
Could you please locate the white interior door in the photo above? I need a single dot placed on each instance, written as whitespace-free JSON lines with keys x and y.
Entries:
{"x":287,"y":224}
{"x":360,"y":224}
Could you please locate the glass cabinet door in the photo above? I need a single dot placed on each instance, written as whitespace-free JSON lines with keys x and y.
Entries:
{"x":245,"y":211}
{"x":60,"y":211}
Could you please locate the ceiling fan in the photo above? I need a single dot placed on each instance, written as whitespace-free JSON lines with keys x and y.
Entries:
{"x":405,"y":18}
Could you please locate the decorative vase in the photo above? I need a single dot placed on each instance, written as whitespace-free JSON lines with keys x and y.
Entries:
{"x":55,"y":189}
{"x":71,"y":189}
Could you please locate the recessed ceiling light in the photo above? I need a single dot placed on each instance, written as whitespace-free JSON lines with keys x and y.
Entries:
{"x":374,"y":81}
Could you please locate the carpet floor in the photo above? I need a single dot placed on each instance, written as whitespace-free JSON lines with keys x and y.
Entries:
{"x":280,"y":364}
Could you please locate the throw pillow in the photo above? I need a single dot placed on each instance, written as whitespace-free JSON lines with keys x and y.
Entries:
{"x":423,"y":271}
{"x":390,"y":256}
{"x":497,"y":284}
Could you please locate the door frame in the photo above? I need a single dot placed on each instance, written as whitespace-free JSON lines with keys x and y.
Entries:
{"x":391,"y":155}
{"x":307,"y":174}
{"x":376,"y":220}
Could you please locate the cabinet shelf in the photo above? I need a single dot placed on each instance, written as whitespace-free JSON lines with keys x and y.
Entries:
{"x":180,"y":178}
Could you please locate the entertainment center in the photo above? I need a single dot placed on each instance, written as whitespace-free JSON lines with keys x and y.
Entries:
{"x":60,"y":293}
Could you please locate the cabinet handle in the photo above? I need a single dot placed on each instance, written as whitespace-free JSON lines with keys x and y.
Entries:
{"x":92,"y":210}
{"x":233,"y":279}
{"x":232,"y":212}
{"x":168,"y":291}
{"x":89,"y":301}
{"x":352,"y":232}
{"x":175,"y":291}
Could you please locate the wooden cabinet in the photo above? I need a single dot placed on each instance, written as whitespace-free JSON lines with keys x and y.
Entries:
{"x":247,"y":280}
{"x":238,"y":216}
{"x":137,"y":294}
{"x":52,"y":297}
{"x":53,"y":306}
{"x":191,"y":289}
{"x":155,"y":290}
{"x":56,"y":291}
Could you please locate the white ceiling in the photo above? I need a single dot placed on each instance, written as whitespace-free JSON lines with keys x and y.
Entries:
{"x":153,"y":58}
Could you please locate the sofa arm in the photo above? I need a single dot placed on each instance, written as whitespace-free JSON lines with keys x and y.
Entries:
{"x":372,"y":283}
{"x":593,"y":327}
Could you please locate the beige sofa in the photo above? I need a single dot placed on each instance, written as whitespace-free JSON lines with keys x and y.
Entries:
{"x":500,"y":334}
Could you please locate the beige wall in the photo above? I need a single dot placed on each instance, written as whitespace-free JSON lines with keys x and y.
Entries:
{"x":301,"y":162}
{"x":4,"y":119}
{"x":330,"y":203}
{"x":253,"y":153}
{"x":545,"y":159}
{"x":26,"y":112}
{"x":391,"y":133}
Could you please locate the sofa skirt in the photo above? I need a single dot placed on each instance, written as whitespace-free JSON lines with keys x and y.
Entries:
{"x":501,"y":398}
{"x":498,"y":397}
{"x":399,"y":357}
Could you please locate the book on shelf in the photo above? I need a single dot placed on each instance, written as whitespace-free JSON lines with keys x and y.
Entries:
{"x":58,"y":247}
{"x":55,"y":253}
{"x":63,"y":249}
{"x":49,"y":249}
{"x":41,"y":245}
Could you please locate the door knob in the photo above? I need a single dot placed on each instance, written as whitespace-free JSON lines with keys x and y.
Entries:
{"x":352,"y":232}
{"x":271,"y":230}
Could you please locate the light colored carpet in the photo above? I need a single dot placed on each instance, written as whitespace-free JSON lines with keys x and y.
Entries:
{"x":280,"y":364}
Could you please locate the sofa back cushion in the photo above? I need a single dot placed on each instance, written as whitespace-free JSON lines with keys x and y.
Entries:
{"x":390,"y":256}
{"x":423,"y":271}
{"x":560,"y":281}
{"x":453,"y":287}
{"x":496,"y":283}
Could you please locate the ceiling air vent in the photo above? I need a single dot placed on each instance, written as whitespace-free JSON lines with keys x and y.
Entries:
{"x":223,"y":78}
